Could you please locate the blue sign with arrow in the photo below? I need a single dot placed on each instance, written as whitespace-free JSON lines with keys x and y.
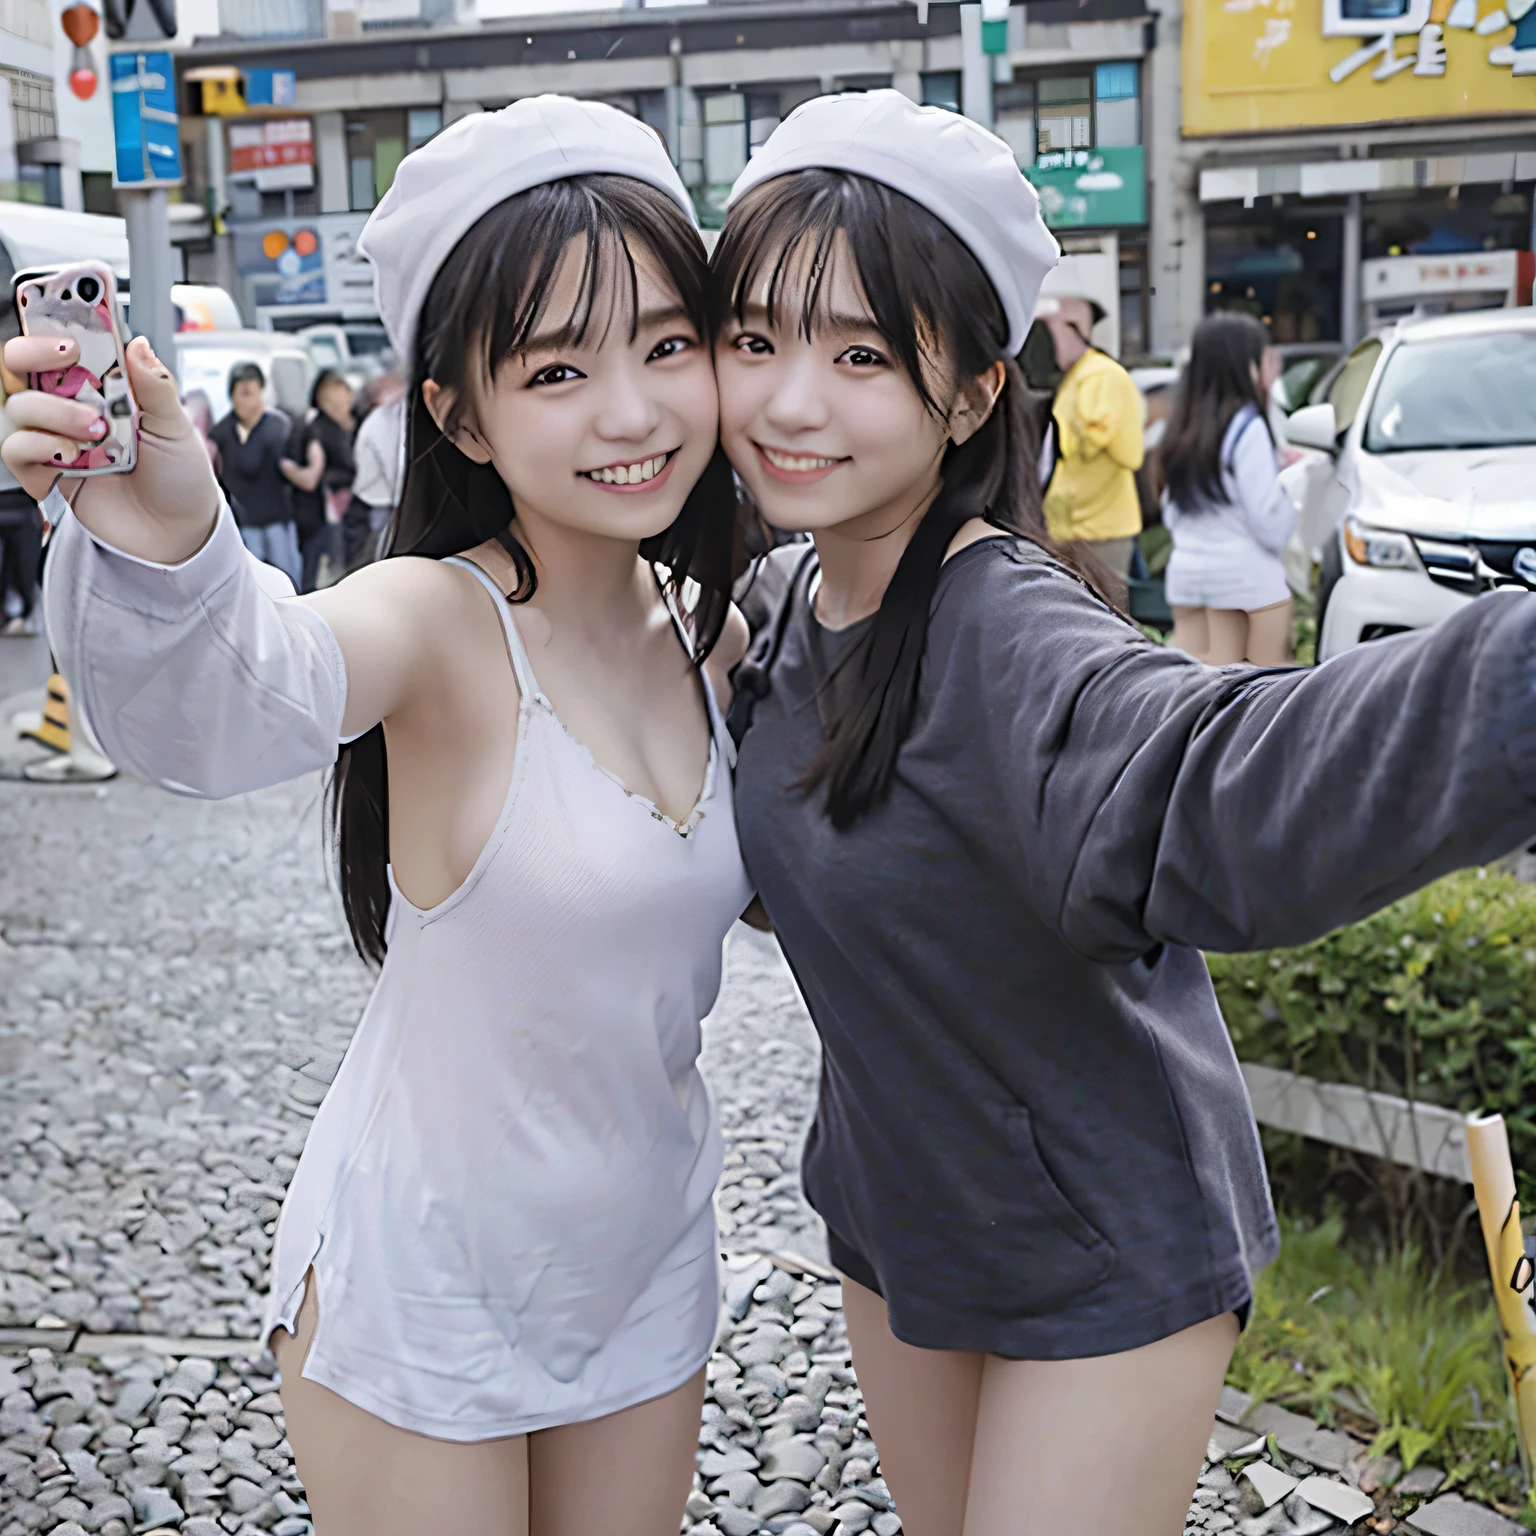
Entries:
{"x":144,"y":119}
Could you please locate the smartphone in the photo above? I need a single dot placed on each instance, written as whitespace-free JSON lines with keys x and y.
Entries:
{"x":80,"y":303}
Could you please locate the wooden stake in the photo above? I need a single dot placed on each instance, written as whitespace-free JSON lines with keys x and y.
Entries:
{"x":1493,"y":1182}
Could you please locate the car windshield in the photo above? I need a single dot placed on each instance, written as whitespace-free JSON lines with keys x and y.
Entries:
{"x":1457,"y":392}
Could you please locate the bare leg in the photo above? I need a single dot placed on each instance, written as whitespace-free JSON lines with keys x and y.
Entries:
{"x":1191,"y":632}
{"x":366,"y":1478}
{"x":1039,"y":1466}
{"x":629,"y":1472}
{"x":921,"y":1405}
{"x":1269,"y":635}
{"x":1228,"y":636}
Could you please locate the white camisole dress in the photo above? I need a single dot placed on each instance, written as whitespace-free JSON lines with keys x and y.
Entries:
{"x":507,"y":1194}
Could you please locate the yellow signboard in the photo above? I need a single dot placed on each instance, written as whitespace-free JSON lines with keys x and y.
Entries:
{"x":1252,"y":65}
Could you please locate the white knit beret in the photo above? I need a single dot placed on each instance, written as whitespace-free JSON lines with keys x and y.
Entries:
{"x":441,"y":189}
{"x":963,"y":175}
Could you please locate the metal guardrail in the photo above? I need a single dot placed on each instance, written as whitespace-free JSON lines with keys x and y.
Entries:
{"x":1415,"y":1135}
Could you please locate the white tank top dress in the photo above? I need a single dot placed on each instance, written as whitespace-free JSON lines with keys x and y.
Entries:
{"x":507,"y":1194}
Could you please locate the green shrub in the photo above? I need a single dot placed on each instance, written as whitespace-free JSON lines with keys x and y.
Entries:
{"x":1432,"y":999}
{"x":1390,"y":1346}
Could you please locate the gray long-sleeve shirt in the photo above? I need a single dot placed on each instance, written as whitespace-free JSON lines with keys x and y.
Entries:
{"x":1032,"y":1125}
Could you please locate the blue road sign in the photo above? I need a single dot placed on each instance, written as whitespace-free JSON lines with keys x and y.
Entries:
{"x":144,"y":119}
{"x":271,"y":87}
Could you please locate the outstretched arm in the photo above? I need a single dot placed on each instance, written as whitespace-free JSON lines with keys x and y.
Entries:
{"x":1156,"y":800}
{"x":194,"y":665}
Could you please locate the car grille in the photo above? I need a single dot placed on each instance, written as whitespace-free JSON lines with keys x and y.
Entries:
{"x":1474,"y":566}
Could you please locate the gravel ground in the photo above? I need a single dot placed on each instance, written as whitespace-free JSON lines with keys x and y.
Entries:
{"x":176,"y":989}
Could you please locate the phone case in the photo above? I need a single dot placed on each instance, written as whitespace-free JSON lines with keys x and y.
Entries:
{"x":80,"y":303}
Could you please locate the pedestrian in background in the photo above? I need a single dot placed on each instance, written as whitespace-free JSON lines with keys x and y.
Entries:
{"x":1091,"y":499}
{"x":252,"y":443}
{"x":1228,"y":513}
{"x":199,"y":409}
{"x":21,"y":524}
{"x":21,"y":556}
{"x":380,"y":454}
{"x":320,"y":469}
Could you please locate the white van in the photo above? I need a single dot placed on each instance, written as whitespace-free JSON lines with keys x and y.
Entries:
{"x":34,"y":236}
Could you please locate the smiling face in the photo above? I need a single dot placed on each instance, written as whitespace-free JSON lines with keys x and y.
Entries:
{"x":606,"y":426}
{"x":824,"y":428}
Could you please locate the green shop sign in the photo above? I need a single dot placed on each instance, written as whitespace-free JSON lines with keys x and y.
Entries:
{"x":1084,"y":187}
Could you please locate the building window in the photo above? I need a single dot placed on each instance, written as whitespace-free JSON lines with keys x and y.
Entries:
{"x":1013,"y":119}
{"x":1066,"y":112}
{"x":376,"y":144}
{"x":942,"y":89}
{"x":1116,"y":107}
{"x":421,"y":124}
{"x":725,"y":137}
{"x":762,"y":118}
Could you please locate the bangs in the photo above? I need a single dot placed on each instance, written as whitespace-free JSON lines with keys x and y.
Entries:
{"x":782,"y":241}
{"x":497,"y":285}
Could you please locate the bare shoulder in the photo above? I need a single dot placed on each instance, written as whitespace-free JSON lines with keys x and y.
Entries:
{"x":410,"y":605}
{"x":732,"y":645}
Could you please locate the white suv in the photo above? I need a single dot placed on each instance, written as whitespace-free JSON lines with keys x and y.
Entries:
{"x":1424,"y":489}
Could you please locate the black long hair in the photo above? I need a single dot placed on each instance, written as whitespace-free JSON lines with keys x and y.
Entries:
{"x":1227,"y":348}
{"x":483,"y":305}
{"x":920,"y":281}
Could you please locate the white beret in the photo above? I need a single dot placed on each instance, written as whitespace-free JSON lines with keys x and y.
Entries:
{"x":963,"y":175}
{"x":441,"y":189}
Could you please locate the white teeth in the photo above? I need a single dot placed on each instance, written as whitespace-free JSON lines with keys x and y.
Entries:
{"x":629,"y":474}
{"x":796,"y":463}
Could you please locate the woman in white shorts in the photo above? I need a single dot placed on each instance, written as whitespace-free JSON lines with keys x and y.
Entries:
{"x":1228,"y":513}
{"x":495,"y":1271}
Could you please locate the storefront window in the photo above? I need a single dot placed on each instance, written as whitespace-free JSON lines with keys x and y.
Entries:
{"x":1282,"y":264}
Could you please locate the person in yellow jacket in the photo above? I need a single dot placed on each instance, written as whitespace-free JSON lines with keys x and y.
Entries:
{"x":1091,"y":498}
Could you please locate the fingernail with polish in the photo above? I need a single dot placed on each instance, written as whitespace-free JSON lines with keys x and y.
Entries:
{"x":98,"y":427}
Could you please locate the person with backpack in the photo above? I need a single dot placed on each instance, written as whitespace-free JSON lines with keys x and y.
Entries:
{"x":1228,"y":513}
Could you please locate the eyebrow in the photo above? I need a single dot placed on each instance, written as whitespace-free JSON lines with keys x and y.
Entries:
{"x":841,"y":324}
{"x":649,"y":319}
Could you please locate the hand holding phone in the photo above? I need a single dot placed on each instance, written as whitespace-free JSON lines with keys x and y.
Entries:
{"x":164,"y":510}
{"x":79,"y":304}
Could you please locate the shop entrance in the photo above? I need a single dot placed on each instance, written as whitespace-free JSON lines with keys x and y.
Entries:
{"x":1282,"y":264}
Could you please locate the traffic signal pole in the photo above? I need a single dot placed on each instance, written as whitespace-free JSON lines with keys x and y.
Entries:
{"x":148,"y":159}
{"x":150,"y":260}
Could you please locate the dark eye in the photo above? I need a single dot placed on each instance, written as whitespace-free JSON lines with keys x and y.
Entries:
{"x":862,"y":357}
{"x":673,"y":346}
{"x":753,"y":346}
{"x":559,"y":373}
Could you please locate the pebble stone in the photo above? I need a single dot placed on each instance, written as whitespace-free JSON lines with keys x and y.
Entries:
{"x":176,"y":993}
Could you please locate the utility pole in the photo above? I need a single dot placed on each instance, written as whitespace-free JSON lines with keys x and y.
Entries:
{"x":148,"y":159}
{"x":975,"y":68}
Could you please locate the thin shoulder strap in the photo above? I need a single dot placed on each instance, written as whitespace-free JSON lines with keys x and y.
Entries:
{"x":526,"y":682}
{"x":751,"y":679}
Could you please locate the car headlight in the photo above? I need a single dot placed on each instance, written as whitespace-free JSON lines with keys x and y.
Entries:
{"x":1377,"y":547}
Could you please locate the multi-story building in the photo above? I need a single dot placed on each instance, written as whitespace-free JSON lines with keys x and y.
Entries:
{"x":1347,"y":160}
{"x":296,"y":183}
